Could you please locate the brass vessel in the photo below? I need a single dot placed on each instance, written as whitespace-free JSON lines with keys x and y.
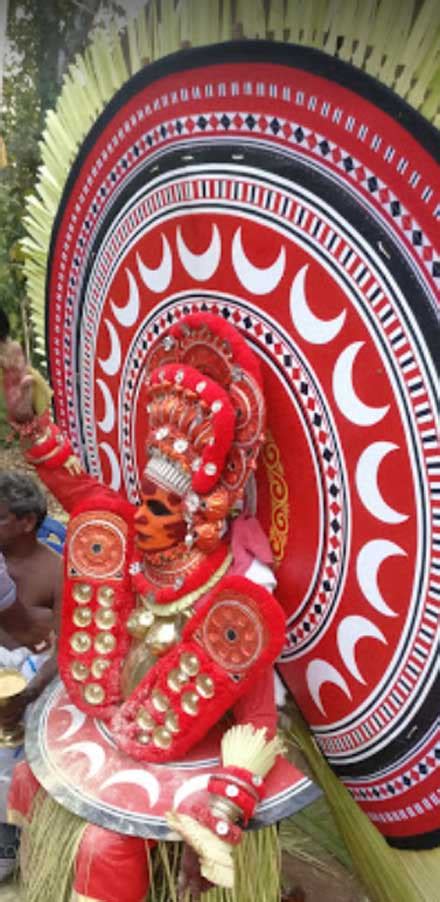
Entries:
{"x":12,"y":682}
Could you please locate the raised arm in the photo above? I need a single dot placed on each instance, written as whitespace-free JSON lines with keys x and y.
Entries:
{"x":27,"y":399}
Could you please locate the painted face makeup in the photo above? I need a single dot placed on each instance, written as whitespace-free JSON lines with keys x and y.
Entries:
{"x":159,"y":519}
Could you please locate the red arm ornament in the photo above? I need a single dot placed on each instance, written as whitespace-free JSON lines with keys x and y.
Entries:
{"x":237,"y":633}
{"x":98,"y":599}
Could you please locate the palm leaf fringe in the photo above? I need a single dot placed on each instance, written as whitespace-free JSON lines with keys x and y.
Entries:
{"x":397,"y":41}
{"x":388,"y":875}
{"x":50,"y":842}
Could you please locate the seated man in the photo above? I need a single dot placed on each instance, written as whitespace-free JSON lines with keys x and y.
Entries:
{"x":30,"y":584}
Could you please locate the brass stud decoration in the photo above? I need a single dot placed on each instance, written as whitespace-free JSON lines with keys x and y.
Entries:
{"x":205,"y":685}
{"x":106,"y":619}
{"x":82,"y":593}
{"x":145,"y":721}
{"x":172,"y":722}
{"x":94,"y":694}
{"x":159,"y":700}
{"x":176,"y":679}
{"x":106,"y":596}
{"x":190,"y":664}
{"x":162,"y":738}
{"x":99,"y":666}
{"x":190,"y":703}
{"x":80,"y":642}
{"x":79,"y":671}
{"x":105,"y":643}
{"x":82,"y":617}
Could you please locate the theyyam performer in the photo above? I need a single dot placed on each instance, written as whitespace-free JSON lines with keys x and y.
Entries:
{"x":169,"y":628}
{"x":237,"y":299}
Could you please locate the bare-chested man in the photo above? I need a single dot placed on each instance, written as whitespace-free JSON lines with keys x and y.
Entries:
{"x":36,"y":571}
{"x":30,"y":592}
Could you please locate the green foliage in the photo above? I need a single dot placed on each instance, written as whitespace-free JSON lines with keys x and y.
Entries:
{"x":43,"y":38}
{"x":20,"y":130}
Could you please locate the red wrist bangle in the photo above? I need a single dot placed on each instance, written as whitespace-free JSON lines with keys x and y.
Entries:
{"x":243,"y":797}
{"x":53,"y":451}
{"x":243,"y":776}
{"x":58,"y":459}
{"x":222,"y":828}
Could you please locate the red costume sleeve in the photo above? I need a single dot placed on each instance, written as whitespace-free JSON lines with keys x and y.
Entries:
{"x":257,"y":706}
{"x":70,"y":489}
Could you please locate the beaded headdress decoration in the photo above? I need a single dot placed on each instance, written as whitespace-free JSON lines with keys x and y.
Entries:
{"x":206,"y":420}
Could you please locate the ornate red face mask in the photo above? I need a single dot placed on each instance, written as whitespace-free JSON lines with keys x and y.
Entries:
{"x":159,"y":520}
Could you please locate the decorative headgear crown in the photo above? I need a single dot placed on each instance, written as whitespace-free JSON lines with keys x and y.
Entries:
{"x":206,"y":414}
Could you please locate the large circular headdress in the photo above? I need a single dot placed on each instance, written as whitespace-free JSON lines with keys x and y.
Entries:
{"x":294,"y":197}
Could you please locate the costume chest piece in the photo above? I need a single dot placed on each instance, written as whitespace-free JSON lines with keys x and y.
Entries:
{"x":153,"y":635}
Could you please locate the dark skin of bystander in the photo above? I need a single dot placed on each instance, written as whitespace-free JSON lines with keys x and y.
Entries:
{"x":32,"y":620}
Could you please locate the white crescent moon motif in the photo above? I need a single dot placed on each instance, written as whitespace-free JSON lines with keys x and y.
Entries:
{"x":368,"y":562}
{"x":194,"y":784}
{"x":200,"y":266}
{"x":93,"y":752}
{"x":255,"y":279}
{"x":158,"y":279}
{"x":77,"y":719}
{"x":128,"y":314}
{"x":345,"y":396}
{"x":350,"y":631}
{"x":320,"y":672}
{"x":313,"y":329}
{"x":108,"y":422}
{"x":366,"y":483}
{"x":137,"y":777}
{"x":114,"y":464}
{"x":112,"y":364}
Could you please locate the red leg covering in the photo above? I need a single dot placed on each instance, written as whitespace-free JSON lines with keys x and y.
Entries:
{"x":110,"y":867}
{"x":24,"y":787}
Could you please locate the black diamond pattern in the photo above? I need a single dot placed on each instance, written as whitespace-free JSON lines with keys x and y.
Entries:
{"x":348,"y":164}
{"x":202,"y":122}
{"x":325,"y":149}
{"x":225,"y":121}
{"x":372,"y":183}
{"x":275,"y":126}
{"x":395,"y":208}
{"x":299,"y":134}
{"x":250,"y":121}
{"x":417,"y":237}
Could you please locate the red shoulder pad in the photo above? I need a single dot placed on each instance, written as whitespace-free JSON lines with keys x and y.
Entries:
{"x":97,"y":601}
{"x":237,"y":633}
